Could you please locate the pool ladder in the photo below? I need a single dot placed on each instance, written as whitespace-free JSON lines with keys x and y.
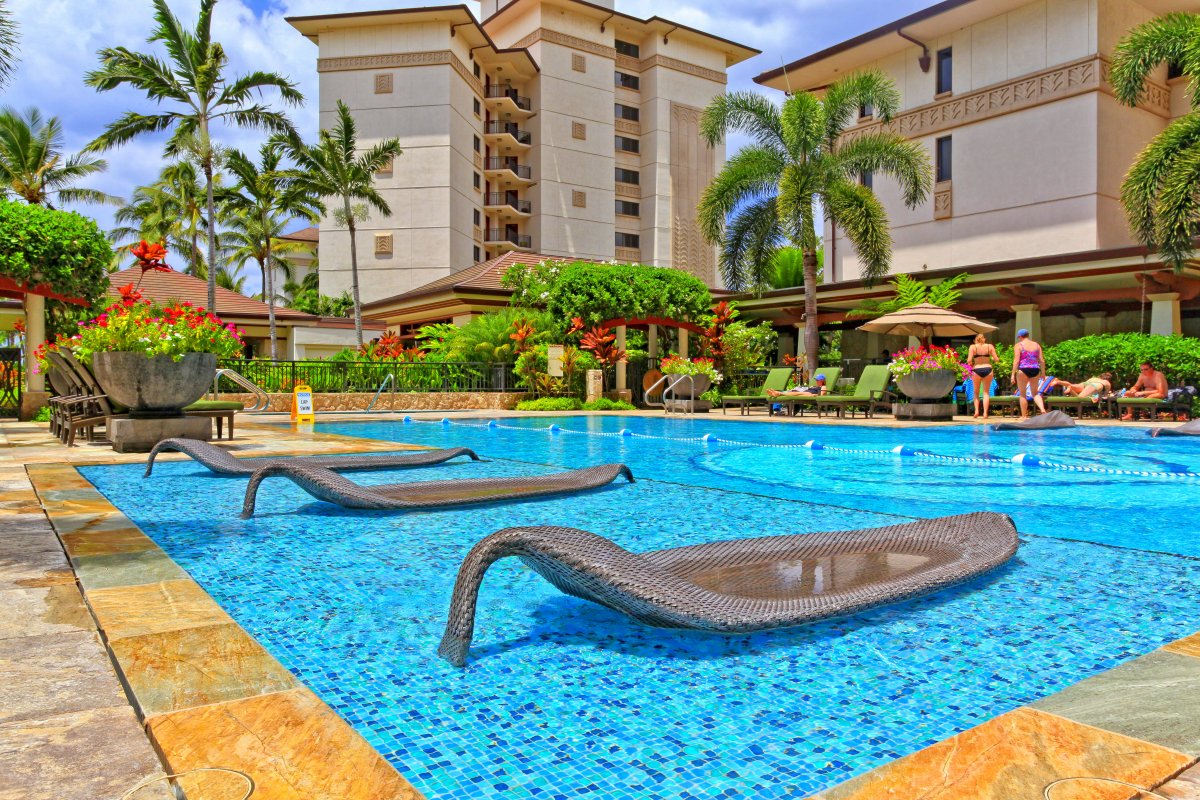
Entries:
{"x":262,"y":400}
{"x":390,"y":380}
{"x":669,"y":403}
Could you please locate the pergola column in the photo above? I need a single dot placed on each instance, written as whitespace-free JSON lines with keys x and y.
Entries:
{"x":652,"y":342}
{"x":800,"y":351}
{"x":1165,"y":319}
{"x":683,"y":342}
{"x":1029,"y":317}
{"x":35,"y":337}
{"x":1093,"y":322}
{"x":622,"y":375}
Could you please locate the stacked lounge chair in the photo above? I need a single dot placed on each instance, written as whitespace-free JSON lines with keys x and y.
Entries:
{"x":1051,"y":420}
{"x":324,"y":484}
{"x":870,"y":394}
{"x":743,"y":585}
{"x":222,"y":462}
{"x":799,"y":403}
{"x":777,"y":380}
{"x":1191,"y":428}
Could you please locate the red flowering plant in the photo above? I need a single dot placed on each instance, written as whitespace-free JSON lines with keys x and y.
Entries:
{"x":134,"y":324}
{"x":390,"y":347}
{"x":927,"y":359}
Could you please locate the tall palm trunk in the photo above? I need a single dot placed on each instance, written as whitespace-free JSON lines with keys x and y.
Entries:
{"x":812,"y":338}
{"x":269,"y":291}
{"x":354,"y":272}
{"x":212,"y":236}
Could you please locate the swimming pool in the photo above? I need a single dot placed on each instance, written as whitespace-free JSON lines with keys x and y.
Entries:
{"x":563,"y":698}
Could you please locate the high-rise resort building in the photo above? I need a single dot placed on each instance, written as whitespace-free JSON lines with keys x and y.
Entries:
{"x":1011,"y":100}
{"x":552,"y":127}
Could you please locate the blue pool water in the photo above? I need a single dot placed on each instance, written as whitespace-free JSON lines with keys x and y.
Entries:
{"x":564,"y":699}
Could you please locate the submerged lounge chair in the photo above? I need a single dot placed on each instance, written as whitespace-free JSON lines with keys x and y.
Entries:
{"x":777,"y":380}
{"x":222,"y":462}
{"x":1186,"y":429}
{"x":326,"y":485}
{"x":1042,"y":422}
{"x":742,"y":585}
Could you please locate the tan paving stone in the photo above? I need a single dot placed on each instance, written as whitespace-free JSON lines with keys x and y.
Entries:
{"x":97,"y":754}
{"x":1186,"y":647}
{"x":30,"y":560}
{"x":197,"y":666}
{"x":53,"y":674}
{"x":124,"y":568}
{"x":108,"y":542}
{"x":1012,"y":757}
{"x":42,"y":610}
{"x":293,"y":746}
{"x":154,"y":608}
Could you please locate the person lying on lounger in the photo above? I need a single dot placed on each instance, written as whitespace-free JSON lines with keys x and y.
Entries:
{"x":1093,"y":387}
{"x":820,"y":388}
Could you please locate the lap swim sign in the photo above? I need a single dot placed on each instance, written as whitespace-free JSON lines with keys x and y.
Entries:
{"x":302,"y":405}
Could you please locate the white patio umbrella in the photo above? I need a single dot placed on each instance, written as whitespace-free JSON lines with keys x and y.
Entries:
{"x":926,"y":321}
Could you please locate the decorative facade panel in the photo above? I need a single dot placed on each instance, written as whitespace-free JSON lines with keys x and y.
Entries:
{"x":383,"y":244}
{"x":579,"y":199}
{"x":578,"y":130}
{"x":579,"y":62}
{"x":943,"y":200}
{"x":383,"y":83}
{"x":692,"y":169}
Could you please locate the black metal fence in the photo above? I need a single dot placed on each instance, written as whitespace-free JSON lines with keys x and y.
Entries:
{"x":369,"y":376}
{"x":12,"y":376}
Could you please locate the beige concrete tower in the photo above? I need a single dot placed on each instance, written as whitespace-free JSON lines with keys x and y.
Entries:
{"x":554,"y":126}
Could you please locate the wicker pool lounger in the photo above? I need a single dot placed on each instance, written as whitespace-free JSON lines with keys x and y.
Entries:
{"x":1042,"y":422}
{"x":1186,"y":429}
{"x":222,"y":462}
{"x":741,"y":585}
{"x":326,"y":485}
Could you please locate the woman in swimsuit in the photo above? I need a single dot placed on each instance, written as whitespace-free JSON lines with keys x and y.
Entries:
{"x":1029,"y":362}
{"x":981,"y":357}
{"x":1093,"y":387}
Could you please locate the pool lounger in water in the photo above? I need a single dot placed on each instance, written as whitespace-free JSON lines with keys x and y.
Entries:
{"x":1186,"y":429}
{"x":742,"y":585}
{"x":326,"y":485}
{"x":1042,"y":422}
{"x":222,"y":462}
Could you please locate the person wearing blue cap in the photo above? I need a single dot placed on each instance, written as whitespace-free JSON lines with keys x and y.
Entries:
{"x":818,"y":387}
{"x":1029,"y":363}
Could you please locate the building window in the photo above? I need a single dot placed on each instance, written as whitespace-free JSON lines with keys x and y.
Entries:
{"x":629,"y":209}
{"x":477,"y":144}
{"x":626,"y":81}
{"x":627,"y":145}
{"x":945,"y":70}
{"x":866,"y":110}
{"x":579,"y":199}
{"x":578,"y":130}
{"x":628,"y":49}
{"x":477,"y":106}
{"x":1174,"y":70}
{"x":477,"y":254}
{"x":477,"y":180}
{"x":631,"y":113}
{"x":629,"y":176}
{"x":867,"y":179}
{"x":478,"y":72}
{"x":478,"y":217}
{"x":944,"y":158}
{"x":631,"y":240}
{"x":578,"y":62}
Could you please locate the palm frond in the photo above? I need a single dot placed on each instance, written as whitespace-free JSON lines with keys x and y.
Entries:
{"x":244,"y":87}
{"x":890,"y":154}
{"x":750,"y":174}
{"x":803,"y":123}
{"x":1174,"y":38}
{"x":860,"y":214}
{"x":846,"y":96}
{"x":9,"y":40}
{"x":128,"y":127}
{"x":742,"y":112}
{"x":1151,"y":171}
{"x":754,"y":236}
{"x":1177,"y":214}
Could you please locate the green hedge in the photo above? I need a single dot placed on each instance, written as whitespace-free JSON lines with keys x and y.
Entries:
{"x":1178,"y":357}
{"x":604,"y":404}
{"x":551,"y":404}
{"x":67,"y":250}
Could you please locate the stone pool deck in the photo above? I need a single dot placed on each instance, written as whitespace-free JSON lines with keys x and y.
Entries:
{"x":116,"y":667}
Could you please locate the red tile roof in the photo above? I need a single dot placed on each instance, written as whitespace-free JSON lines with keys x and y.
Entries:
{"x":164,"y":287}
{"x":310,"y":234}
{"x":482,"y":277}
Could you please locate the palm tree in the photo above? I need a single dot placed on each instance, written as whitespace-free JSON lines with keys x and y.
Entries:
{"x":32,"y":165}
{"x":230,"y":277}
{"x":1159,"y":192}
{"x":193,"y":78}
{"x":8,"y":44}
{"x":332,"y":168}
{"x":766,"y":196}
{"x":263,"y":201}
{"x":170,"y":210}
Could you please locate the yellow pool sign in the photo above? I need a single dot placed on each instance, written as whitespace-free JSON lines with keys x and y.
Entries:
{"x":302,"y":405}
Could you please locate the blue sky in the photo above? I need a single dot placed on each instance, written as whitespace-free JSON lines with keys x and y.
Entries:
{"x":60,"y":39}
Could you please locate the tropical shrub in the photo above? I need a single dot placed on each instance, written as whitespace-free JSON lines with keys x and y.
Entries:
{"x":311,"y":301}
{"x":746,"y":347}
{"x":551,"y":404}
{"x":927,"y":359}
{"x":677,"y":365}
{"x":533,"y":366}
{"x":43,"y":414}
{"x":604,"y":404}
{"x":912,"y":292}
{"x":599,"y":292}
{"x":1178,"y":357}
{"x":495,"y":338}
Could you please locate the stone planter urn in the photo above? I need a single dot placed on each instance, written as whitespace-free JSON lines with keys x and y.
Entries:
{"x":927,"y":384}
{"x":691,"y":390}
{"x":155,"y":390}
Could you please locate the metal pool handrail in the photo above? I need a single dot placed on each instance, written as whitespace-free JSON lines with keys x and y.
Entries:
{"x":691,"y":401}
{"x":262,"y":401}
{"x":390,"y":379}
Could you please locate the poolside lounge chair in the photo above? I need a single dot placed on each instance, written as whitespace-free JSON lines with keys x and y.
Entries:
{"x":870,"y":394}
{"x":222,"y":462}
{"x":741,"y":585}
{"x":1180,"y":405}
{"x":777,"y":380}
{"x":1191,"y":428}
{"x":798,"y":403}
{"x":1042,"y":422}
{"x":327,"y":485}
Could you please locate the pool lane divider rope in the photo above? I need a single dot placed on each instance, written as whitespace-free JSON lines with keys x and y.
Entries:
{"x":1019,"y":460}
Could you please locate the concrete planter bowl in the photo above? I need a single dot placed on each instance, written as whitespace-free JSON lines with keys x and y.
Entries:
{"x":691,"y":390}
{"x":154,"y":387}
{"x":927,"y":384}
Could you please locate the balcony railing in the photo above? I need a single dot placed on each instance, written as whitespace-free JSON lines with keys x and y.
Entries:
{"x":500,"y":236}
{"x":507,"y":199}
{"x":511,"y":129}
{"x":509,"y":163}
{"x":501,"y":92}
